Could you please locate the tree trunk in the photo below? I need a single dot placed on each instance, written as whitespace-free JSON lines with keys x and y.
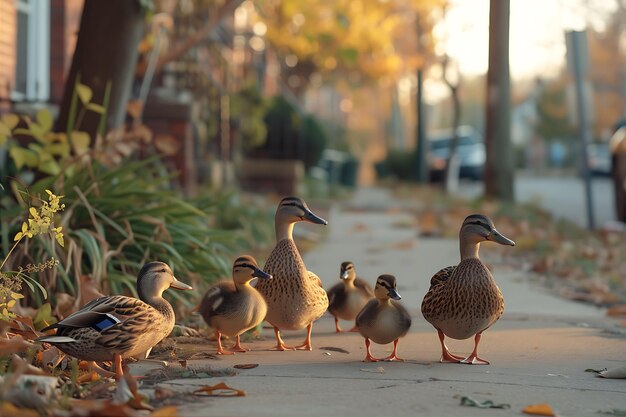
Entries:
{"x":106,"y":51}
{"x":500,"y":163}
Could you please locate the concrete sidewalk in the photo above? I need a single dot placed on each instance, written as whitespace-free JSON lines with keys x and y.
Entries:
{"x":539,"y":350}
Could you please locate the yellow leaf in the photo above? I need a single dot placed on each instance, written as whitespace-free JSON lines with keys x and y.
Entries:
{"x":18,"y":236}
{"x":538,"y":410}
{"x":16,"y":295}
{"x":11,"y":303}
{"x":84,"y":93}
{"x":59,"y":149}
{"x":3,"y":139}
{"x":23,"y":157}
{"x":24,"y":227}
{"x":33,"y":212}
{"x":169,"y":411}
{"x":80,"y":142}
{"x":60,"y":240}
{"x":96,"y":108}
{"x":4,"y":129}
{"x":10,"y":120}
{"x":44,"y":118}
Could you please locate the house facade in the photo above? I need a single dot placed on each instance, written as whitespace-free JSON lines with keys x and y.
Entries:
{"x":37,"y":40}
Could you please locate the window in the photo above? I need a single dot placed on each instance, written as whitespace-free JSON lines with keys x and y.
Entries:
{"x":32,"y":68}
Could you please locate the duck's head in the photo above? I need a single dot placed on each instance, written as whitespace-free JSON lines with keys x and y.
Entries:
{"x":245,"y":269}
{"x":347,"y":271}
{"x":294,"y":209}
{"x":156,"y":277}
{"x":478,"y":228}
{"x":386,"y":288}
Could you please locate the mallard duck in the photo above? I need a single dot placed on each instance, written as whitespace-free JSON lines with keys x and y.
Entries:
{"x":383,"y":319}
{"x":347,"y":298}
{"x":116,"y":327}
{"x":464,"y":300}
{"x":233,"y":307}
{"x":295,"y":297}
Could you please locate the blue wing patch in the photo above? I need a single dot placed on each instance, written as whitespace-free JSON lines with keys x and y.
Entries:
{"x":107,"y":321}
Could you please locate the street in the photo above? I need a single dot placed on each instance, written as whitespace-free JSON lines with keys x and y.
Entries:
{"x":562,"y":196}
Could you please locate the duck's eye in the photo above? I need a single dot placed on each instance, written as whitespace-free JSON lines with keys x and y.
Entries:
{"x":163,"y":270}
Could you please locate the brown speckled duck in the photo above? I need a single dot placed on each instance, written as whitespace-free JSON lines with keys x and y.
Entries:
{"x":347,"y":298}
{"x":295,"y":297}
{"x":233,"y":307}
{"x":383,"y":319}
{"x":464,"y":300}
{"x":115,"y":327}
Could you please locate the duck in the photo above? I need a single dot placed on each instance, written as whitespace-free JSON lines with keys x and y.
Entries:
{"x":234,"y":307}
{"x":113,"y":328}
{"x":383,"y":319}
{"x":464,"y":300}
{"x":295,"y":296}
{"x":348,"y":297}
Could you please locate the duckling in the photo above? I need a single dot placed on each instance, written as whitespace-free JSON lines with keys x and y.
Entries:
{"x":231,"y":308}
{"x":295,"y":297}
{"x":116,"y":327}
{"x":347,"y":298}
{"x":383,"y":319}
{"x":464,"y":300}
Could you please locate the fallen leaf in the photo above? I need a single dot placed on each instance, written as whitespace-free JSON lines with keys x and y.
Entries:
{"x":246,"y":365}
{"x":334,"y":349}
{"x":613,"y":412}
{"x":619,"y":310}
{"x":538,"y":410}
{"x":379,"y":370}
{"x":7,"y":409}
{"x":219,"y":390}
{"x":470,"y":402}
{"x":170,"y":411}
{"x":615,"y":373}
{"x":13,"y":345}
{"x":89,"y":377}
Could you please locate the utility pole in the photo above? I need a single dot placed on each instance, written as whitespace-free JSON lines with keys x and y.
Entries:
{"x":499,"y":167}
{"x":420,"y":128}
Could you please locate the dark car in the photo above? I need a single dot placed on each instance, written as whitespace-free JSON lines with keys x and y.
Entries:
{"x":470,"y":151}
{"x":617,"y":146}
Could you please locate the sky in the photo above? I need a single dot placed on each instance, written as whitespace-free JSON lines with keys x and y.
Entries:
{"x":537,"y":27}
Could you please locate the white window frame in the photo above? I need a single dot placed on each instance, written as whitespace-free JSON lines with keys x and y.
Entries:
{"x":37,"y":50}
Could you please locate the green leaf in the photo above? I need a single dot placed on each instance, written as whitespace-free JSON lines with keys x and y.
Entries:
{"x":59,"y":149}
{"x":49,"y":166}
{"x":84,"y":93}
{"x":23,"y":157}
{"x":10,"y":120}
{"x":3,"y":139}
{"x":44,"y":317}
{"x":96,"y":108}
{"x":44,"y":118}
{"x":80,"y":142}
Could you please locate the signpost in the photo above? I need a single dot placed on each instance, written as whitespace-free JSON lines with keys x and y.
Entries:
{"x":578,"y":64}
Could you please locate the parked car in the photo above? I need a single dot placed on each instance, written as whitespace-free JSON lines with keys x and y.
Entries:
{"x":470,"y":150}
{"x":617,"y":146}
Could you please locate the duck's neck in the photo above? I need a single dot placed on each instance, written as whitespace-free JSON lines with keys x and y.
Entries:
{"x":469,"y":250}
{"x":243,"y":286}
{"x":349,"y":283}
{"x":284,"y":231}
{"x":158,"y":302}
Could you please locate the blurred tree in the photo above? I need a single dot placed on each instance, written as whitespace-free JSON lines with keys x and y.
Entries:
{"x":353,"y":39}
{"x":106,"y":51}
{"x":608,"y":71}
{"x":499,"y":165}
{"x":552,"y":112}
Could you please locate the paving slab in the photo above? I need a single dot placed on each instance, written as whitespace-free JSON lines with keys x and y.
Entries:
{"x":539,"y":350}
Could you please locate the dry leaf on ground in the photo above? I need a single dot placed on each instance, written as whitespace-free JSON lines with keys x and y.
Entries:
{"x":9,"y":410}
{"x":538,"y":410}
{"x":619,"y":310}
{"x":246,"y":365}
{"x":13,"y":345}
{"x":219,"y":390}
